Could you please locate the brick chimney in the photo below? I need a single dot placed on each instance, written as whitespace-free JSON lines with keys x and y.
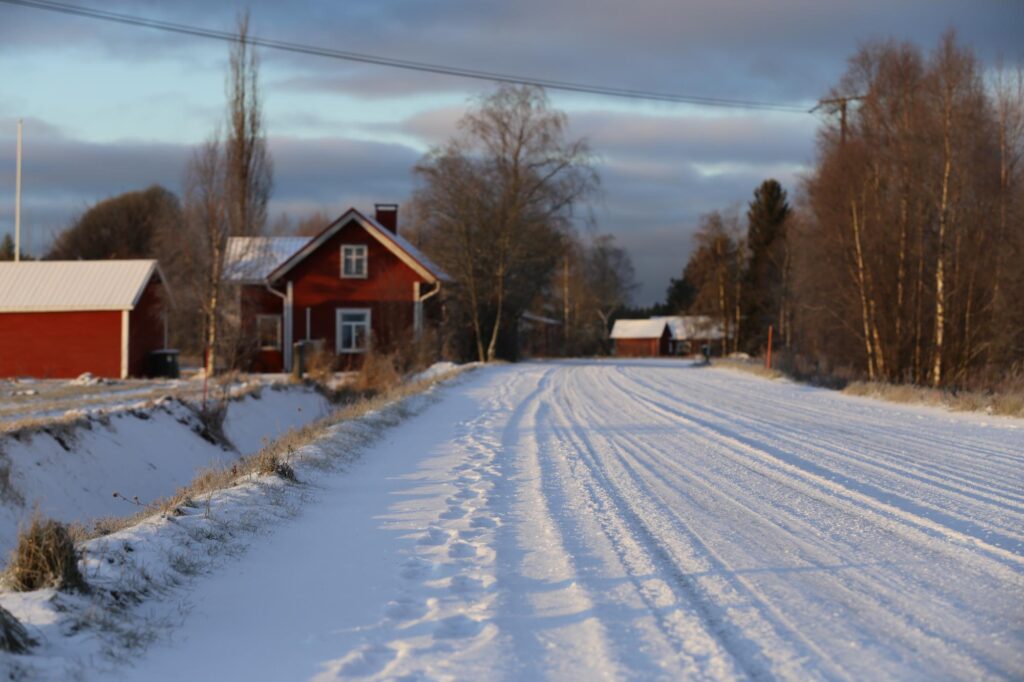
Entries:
{"x":387,"y":215}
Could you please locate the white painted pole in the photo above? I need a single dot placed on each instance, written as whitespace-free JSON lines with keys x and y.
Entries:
{"x":17,"y":201}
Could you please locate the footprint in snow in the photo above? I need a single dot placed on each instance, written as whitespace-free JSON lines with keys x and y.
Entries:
{"x":415,"y":568}
{"x":405,"y":608}
{"x":462,"y":550}
{"x":454,"y":512}
{"x":484,"y":522}
{"x":458,"y":627}
{"x":434,"y":536}
{"x":463,"y":584}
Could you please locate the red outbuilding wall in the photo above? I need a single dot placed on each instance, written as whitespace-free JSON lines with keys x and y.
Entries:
{"x":641,"y":348}
{"x":145,"y":327}
{"x":59,"y":345}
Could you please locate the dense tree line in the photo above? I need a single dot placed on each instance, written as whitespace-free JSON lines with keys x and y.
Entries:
{"x":904,"y":259}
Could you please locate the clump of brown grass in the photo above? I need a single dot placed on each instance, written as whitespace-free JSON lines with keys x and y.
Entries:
{"x":211,"y":421}
{"x":14,"y":638}
{"x":378,"y":373}
{"x":320,"y":367}
{"x":1007,"y":402}
{"x":754,"y":367}
{"x":44,"y":557}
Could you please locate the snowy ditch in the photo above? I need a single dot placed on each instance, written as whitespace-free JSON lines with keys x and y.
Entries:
{"x":71,"y":470}
{"x":132,"y":573}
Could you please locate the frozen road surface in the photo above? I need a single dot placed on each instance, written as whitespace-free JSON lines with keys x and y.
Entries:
{"x":636,"y":520}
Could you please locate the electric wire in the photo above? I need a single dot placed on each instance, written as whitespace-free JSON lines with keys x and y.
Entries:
{"x":410,"y":65}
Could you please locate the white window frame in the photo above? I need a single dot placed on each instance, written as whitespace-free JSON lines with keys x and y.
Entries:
{"x":259,"y":336}
{"x":358,"y":251}
{"x":338,"y":312}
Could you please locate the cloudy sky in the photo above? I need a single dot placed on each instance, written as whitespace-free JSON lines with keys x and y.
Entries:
{"x":110,"y":108}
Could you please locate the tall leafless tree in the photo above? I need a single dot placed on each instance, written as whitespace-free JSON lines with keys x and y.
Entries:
{"x":248,"y":165}
{"x":497,"y":201}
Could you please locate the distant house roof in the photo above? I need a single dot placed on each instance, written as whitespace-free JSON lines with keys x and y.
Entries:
{"x":252,"y":259}
{"x":395,"y":243}
{"x":44,"y":286}
{"x":638,"y":329}
{"x":685,"y":327}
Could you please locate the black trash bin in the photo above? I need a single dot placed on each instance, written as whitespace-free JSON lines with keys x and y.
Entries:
{"x":301,"y":351}
{"x":163,"y":363}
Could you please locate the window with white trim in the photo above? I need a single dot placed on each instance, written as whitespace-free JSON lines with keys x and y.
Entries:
{"x":353,"y":261}
{"x":268,"y":331}
{"x":353,"y":330}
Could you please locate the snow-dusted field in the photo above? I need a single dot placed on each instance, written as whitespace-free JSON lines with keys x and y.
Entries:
{"x":592,"y":520}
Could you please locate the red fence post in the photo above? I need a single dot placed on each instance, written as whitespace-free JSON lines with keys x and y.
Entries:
{"x":768,"y":357}
{"x":206,"y":373}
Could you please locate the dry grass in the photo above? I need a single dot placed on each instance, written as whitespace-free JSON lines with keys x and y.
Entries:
{"x":320,"y":368}
{"x":14,"y":638}
{"x":750,"y":367}
{"x":1008,"y":402}
{"x":378,"y":373}
{"x":44,"y":557}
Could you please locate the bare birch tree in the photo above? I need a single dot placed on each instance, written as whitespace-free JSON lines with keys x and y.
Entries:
{"x":497,"y":202}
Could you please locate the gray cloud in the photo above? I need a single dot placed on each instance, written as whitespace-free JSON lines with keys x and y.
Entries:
{"x":661,"y":170}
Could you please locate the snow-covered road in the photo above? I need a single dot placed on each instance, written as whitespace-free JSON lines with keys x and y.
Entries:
{"x":591,"y":520}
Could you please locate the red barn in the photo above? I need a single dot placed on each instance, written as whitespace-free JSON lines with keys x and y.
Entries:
{"x":356,"y":284}
{"x":59,"y":319}
{"x":641,"y":338}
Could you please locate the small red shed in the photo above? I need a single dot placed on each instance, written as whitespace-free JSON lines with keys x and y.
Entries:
{"x":641,"y":338}
{"x":60,"y":319}
{"x":355,"y":285}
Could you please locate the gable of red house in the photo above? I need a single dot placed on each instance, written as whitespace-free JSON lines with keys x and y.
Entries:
{"x":355,"y":286}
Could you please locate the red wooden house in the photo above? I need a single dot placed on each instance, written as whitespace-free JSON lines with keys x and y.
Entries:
{"x":60,"y":319}
{"x":356,"y":285}
{"x":641,"y":338}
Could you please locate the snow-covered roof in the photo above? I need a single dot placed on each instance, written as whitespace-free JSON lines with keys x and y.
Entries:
{"x":685,"y":327}
{"x":41,"y":286}
{"x":252,"y":259}
{"x":638,"y":329}
{"x":397,"y":244}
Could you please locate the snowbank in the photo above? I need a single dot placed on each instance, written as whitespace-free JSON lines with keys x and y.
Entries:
{"x":72,"y":470}
{"x":92,"y":633}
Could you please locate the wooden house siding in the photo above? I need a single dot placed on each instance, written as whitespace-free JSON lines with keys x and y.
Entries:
{"x":61,"y":345}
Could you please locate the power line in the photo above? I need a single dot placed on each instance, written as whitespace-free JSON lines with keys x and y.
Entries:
{"x":410,"y":65}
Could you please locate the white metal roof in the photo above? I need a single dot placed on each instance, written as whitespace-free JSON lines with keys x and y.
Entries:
{"x":638,"y":329}
{"x":685,"y":327}
{"x":41,"y":286}
{"x":252,"y":259}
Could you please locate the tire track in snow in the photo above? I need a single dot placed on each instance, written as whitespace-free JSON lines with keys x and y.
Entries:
{"x":876,"y":592}
{"x":995,"y":488}
{"x":840,"y":489}
{"x":760,"y":639}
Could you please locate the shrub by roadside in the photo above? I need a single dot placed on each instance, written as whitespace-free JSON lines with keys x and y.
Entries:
{"x":45,"y":556}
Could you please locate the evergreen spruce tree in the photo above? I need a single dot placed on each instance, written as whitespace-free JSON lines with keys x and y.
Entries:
{"x":766,"y":279}
{"x":7,"y":248}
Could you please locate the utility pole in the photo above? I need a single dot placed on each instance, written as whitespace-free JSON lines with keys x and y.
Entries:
{"x":17,"y":201}
{"x":841,"y":104}
{"x":565,"y":304}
